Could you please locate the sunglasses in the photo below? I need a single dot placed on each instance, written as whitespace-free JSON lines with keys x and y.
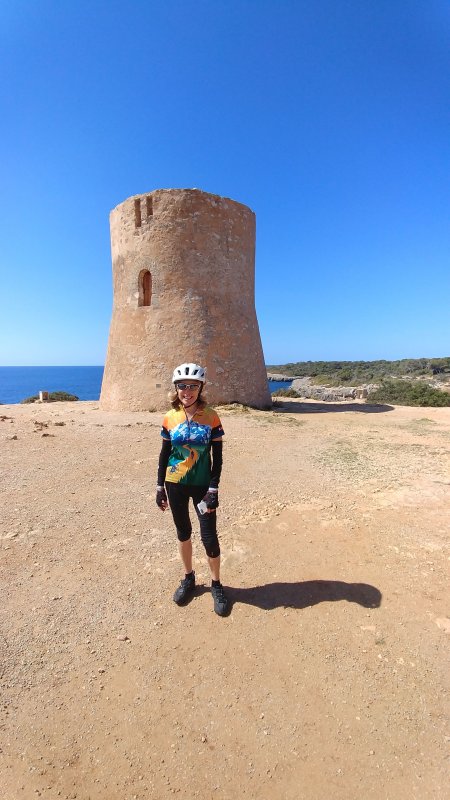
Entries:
{"x":187,"y":386}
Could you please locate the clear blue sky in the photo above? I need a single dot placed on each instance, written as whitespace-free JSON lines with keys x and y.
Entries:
{"x":329,"y":118}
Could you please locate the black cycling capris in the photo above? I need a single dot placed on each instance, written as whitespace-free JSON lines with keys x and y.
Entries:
{"x":178,"y":496}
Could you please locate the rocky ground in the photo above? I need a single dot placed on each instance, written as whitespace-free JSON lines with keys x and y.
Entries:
{"x":328,"y":678}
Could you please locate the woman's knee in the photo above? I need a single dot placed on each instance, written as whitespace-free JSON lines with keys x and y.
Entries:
{"x":213,"y":550}
{"x":211,"y":543}
{"x":183,"y":536}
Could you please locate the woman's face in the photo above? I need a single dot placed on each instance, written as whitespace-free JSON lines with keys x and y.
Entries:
{"x":189,"y":394}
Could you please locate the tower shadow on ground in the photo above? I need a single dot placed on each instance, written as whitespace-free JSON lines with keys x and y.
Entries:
{"x":281,"y":407}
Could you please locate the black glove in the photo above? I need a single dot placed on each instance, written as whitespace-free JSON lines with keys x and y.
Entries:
{"x":161,"y":498}
{"x":211,"y":499}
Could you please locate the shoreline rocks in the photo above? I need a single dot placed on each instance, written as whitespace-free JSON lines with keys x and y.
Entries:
{"x":331,"y":393}
{"x":275,"y":376}
{"x":309,"y":391}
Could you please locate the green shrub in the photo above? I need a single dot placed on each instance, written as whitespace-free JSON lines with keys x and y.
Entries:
{"x":406,"y":393}
{"x":234,"y":408}
{"x":346,"y":375}
{"x":53,"y":397}
{"x":323,"y":380}
{"x":61,"y":396}
{"x":285,"y":393}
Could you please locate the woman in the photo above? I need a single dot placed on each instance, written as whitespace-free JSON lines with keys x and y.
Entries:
{"x":191,"y":432}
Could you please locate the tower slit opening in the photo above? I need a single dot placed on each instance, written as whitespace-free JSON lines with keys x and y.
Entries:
{"x":137,"y":213}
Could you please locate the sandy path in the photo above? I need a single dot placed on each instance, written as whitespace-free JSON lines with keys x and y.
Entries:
{"x":329,"y":676}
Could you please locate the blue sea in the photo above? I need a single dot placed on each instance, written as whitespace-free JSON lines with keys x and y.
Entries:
{"x":274,"y":385}
{"x":17,"y":383}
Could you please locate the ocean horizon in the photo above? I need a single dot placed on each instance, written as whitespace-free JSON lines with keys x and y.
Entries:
{"x":18,"y":383}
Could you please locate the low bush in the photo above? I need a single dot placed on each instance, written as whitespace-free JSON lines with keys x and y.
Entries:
{"x":53,"y":397}
{"x":285,"y":393}
{"x":236,"y":408}
{"x":406,"y":393}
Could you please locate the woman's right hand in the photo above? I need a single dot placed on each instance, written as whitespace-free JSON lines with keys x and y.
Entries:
{"x":161,"y":499}
{"x":211,"y":499}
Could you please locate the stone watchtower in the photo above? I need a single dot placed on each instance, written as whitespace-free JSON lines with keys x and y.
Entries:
{"x":183,"y":273}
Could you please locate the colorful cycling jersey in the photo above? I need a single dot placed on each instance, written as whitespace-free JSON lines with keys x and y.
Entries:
{"x":189,"y":460}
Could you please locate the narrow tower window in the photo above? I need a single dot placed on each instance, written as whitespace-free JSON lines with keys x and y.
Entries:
{"x":145,"y":288}
{"x":149,"y":207}
{"x":137,"y":213}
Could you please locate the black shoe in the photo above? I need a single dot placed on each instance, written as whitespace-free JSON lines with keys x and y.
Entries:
{"x":220,"y":600}
{"x":185,"y":589}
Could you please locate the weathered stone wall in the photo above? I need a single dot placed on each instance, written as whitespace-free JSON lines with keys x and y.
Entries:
{"x":199,"y":249}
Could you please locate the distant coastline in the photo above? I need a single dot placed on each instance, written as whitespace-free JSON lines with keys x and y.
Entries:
{"x":17,"y":383}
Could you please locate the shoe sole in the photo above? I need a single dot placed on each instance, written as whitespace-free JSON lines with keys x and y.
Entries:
{"x":221,"y":613}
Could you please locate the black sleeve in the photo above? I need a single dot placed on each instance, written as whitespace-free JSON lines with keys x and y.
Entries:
{"x":216,"y":466}
{"x":163,"y":461}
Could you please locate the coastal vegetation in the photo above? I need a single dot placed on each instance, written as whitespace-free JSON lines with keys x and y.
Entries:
{"x":53,"y":397}
{"x":351,"y":373}
{"x":408,"y":382}
{"x":285,"y":393}
{"x":407,"y":393}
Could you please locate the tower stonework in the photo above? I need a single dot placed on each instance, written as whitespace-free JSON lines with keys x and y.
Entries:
{"x":183,"y":275}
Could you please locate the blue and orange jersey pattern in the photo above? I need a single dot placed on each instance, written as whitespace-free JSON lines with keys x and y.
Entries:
{"x":189,"y":460}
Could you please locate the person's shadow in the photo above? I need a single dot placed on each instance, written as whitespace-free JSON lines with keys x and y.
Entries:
{"x":305,"y":593}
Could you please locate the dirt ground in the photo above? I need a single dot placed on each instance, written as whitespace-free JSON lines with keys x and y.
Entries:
{"x":327,"y":679}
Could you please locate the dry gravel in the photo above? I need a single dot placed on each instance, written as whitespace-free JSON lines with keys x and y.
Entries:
{"x":328,"y":678}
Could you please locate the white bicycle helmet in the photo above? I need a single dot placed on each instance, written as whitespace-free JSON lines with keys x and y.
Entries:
{"x":193,"y":371}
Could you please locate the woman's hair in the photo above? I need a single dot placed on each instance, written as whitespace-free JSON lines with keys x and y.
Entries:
{"x":175,"y":402}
